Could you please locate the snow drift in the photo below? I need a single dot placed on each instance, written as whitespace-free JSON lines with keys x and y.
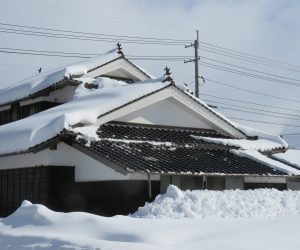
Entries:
{"x":34,"y":226}
{"x":221,"y":204}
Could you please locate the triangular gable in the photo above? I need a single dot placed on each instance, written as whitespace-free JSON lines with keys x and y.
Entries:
{"x":120,"y":68}
{"x":203,"y":116}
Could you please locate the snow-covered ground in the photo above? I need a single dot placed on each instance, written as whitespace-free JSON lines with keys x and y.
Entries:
{"x":36,"y":227}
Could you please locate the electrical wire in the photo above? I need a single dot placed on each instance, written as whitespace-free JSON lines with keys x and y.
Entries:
{"x":252,"y":103}
{"x":251,"y":91}
{"x":249,"y":108}
{"x":243,"y":73}
{"x":273,"y":123}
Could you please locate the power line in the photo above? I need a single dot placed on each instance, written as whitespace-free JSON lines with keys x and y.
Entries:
{"x":251,"y":91}
{"x":96,"y":34}
{"x":153,"y":57}
{"x":252,"y":103}
{"x":249,"y":55}
{"x":55,"y":52}
{"x":151,"y":39}
{"x":156,"y":39}
{"x":273,"y":123}
{"x":78,"y":55}
{"x":257,"y":113}
{"x":249,"y":108}
{"x":85,"y":55}
{"x":72,"y":34}
{"x":40,"y":54}
{"x":245,"y":68}
{"x":214,"y":66}
{"x":86,"y":38}
{"x":62,"y":36}
{"x":249,"y":60}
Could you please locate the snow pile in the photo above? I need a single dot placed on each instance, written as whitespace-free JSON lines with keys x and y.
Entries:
{"x":86,"y":106}
{"x":291,"y":156}
{"x":41,"y":81}
{"x":34,"y":226}
{"x":221,"y":204}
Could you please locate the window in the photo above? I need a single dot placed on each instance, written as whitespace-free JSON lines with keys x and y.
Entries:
{"x":5,"y":116}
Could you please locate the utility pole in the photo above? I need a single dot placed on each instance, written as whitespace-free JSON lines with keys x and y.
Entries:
{"x":195,"y":44}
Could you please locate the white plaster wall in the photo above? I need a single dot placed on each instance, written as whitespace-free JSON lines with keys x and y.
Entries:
{"x":25,"y":160}
{"x":168,"y":112}
{"x":6,"y":107}
{"x":86,"y":168}
{"x":63,"y":156}
{"x":265,"y":179}
{"x":89,"y":169}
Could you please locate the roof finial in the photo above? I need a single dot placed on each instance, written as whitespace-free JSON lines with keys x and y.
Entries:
{"x":168,"y":76}
{"x":167,"y":70}
{"x":119,"y":48}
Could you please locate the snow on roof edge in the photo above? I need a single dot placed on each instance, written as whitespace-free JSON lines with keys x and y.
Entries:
{"x":256,"y":156}
{"x":212,"y":111}
{"x":261,"y":145}
{"x":247,"y":131}
{"x":36,"y":129}
{"x":34,"y":84}
{"x":290,"y":157}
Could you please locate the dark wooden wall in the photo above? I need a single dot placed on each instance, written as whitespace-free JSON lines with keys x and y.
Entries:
{"x":54,"y":186}
{"x":36,"y":184}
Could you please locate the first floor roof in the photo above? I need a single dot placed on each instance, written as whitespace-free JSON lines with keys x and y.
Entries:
{"x":139,"y":148}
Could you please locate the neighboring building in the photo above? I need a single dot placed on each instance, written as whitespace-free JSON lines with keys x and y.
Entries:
{"x":101,"y":133}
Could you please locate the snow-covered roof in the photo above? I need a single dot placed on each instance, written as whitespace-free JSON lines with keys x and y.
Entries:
{"x":259,"y":144}
{"x":265,"y":143}
{"x":41,"y":81}
{"x":34,"y":84}
{"x":89,"y":104}
{"x":255,"y":155}
{"x":291,"y":157}
{"x":86,"y":106}
{"x":164,"y":150}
